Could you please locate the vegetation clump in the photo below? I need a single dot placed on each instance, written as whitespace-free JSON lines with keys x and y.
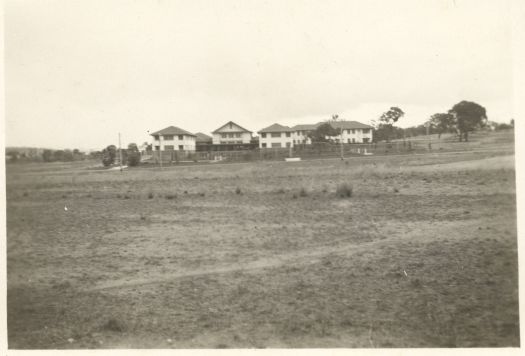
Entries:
{"x":303,"y":193}
{"x":344,"y":190}
{"x":171,"y":196}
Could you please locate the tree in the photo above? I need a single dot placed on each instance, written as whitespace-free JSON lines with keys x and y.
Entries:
{"x":385,"y":125}
{"x":323,"y":131}
{"x":442,"y":122}
{"x":133,"y":155}
{"x":469,"y":116}
{"x":108,"y":155}
{"x":58,"y":155}
{"x":47,"y":155}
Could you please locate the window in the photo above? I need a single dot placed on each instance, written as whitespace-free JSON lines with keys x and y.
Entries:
{"x":263,"y":135}
{"x":230,"y":135}
{"x":169,"y":147}
{"x":156,"y":137}
{"x":349,"y":141}
{"x":294,"y":141}
{"x":366,"y":131}
{"x":288,"y":144}
{"x":224,"y":136}
{"x":238,"y":142}
{"x":168,"y":137}
{"x":238,"y":135}
{"x":287,"y":134}
{"x":181,"y":137}
{"x":353,"y":140}
{"x":157,"y":148}
{"x":276,"y":134}
{"x":276,"y":145}
{"x":366,"y":140}
{"x":181,"y":148}
{"x":263,"y":145}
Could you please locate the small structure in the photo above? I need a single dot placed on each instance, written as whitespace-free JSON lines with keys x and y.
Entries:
{"x":231,"y":133}
{"x":173,"y":139}
{"x":276,"y":136}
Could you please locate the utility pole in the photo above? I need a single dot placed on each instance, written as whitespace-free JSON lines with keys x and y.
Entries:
{"x":160,"y":151}
{"x":119,"y":152}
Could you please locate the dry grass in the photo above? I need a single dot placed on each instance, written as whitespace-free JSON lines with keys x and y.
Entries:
{"x":217,"y":269}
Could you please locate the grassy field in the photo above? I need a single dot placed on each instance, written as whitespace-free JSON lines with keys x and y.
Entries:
{"x":422,"y":254}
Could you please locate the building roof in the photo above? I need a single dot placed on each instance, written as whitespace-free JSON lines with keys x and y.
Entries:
{"x":305,"y":127}
{"x":347,"y":125}
{"x":231,"y":122}
{"x":172,"y":130}
{"x":276,"y":128}
{"x":202,"y":137}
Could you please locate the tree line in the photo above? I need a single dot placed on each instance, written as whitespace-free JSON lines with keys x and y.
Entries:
{"x":463,"y":118}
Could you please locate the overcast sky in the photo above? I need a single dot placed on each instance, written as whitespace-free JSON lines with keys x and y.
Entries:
{"x":78,"y":72}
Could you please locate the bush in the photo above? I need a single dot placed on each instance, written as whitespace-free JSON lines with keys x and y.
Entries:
{"x":303,"y":192}
{"x":150,"y":195}
{"x":171,"y":196}
{"x":344,"y":190}
{"x":238,"y":191}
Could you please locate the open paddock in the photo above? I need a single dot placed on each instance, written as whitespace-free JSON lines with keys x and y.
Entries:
{"x":422,"y":253}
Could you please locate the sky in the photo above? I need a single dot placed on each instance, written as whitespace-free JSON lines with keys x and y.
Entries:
{"x":79,"y":72}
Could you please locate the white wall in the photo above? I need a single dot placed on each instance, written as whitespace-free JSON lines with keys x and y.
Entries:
{"x":282,"y":139}
{"x":245,"y":137}
{"x":357,"y":135}
{"x":299,"y":136}
{"x":230,"y":129}
{"x":188,"y":143}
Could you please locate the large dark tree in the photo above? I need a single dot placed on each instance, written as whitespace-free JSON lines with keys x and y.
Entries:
{"x":47,"y":155}
{"x":133,"y":155}
{"x":323,"y":131}
{"x":108,"y":155}
{"x":442,"y":122}
{"x":469,"y":116}
{"x":385,"y":124}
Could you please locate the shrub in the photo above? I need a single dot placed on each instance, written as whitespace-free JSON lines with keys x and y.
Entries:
{"x":171,"y":196}
{"x":150,"y":195}
{"x":344,"y":190}
{"x":113,"y":325}
{"x":238,"y":191}
{"x":302,"y":192}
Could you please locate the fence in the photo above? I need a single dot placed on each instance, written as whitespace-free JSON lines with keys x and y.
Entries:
{"x":322,"y":150}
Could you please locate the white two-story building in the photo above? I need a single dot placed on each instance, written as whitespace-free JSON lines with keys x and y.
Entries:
{"x":353,"y":131}
{"x":231,"y":133}
{"x":173,"y":139}
{"x":276,"y":136}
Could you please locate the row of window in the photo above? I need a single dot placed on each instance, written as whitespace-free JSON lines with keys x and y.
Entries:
{"x":169,"y":137}
{"x":275,"y":145}
{"x":169,"y":148}
{"x":304,"y":133}
{"x":231,"y":135}
{"x":229,"y":142}
{"x":278,"y":144}
{"x":277,"y":134}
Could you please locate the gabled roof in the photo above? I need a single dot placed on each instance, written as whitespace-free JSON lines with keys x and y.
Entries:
{"x":306,"y":127}
{"x":347,"y":125}
{"x":231,"y":122}
{"x":172,"y":130}
{"x":276,"y":128}
{"x":203,"y":137}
